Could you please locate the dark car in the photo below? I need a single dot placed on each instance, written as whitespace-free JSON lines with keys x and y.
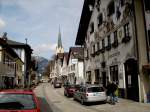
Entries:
{"x":70,"y":89}
{"x":18,"y":101}
{"x":57,"y":84}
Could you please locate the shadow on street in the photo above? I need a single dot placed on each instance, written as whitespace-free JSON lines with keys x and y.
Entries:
{"x":44,"y":106}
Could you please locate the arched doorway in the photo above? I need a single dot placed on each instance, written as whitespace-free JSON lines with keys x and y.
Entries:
{"x":131,"y":77}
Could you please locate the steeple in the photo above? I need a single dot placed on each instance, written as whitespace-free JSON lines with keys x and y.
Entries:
{"x":59,"y":44}
{"x":59,"y":48}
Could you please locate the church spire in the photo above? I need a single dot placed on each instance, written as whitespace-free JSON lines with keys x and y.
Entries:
{"x":59,"y":48}
{"x":59,"y":44}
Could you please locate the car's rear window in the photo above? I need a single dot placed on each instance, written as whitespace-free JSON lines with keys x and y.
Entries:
{"x":95,"y":89}
{"x":17,"y":102}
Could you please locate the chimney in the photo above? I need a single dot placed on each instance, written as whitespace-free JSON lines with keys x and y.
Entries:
{"x":4,"y":36}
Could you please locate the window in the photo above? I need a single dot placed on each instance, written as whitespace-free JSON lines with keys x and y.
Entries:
{"x":108,"y":38}
{"x":115,"y":36}
{"x":147,"y":5}
{"x":88,"y":74}
{"x":86,"y":53}
{"x":97,"y":75}
{"x":126,"y":30}
{"x":110,"y":8}
{"x":126,"y":34}
{"x":17,"y":101}
{"x":103,"y":44}
{"x":114,"y":73}
{"x":108,"y":47}
{"x":100,"y":19}
{"x":95,"y":89}
{"x":93,"y":49}
{"x":98,"y":46}
{"x":92,"y":27}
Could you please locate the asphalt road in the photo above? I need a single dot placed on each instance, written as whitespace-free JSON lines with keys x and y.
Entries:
{"x":53,"y":100}
{"x":44,"y":105}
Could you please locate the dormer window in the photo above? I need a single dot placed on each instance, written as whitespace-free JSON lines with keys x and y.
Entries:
{"x":92,"y":27}
{"x":111,"y":8}
{"x":100,"y":19}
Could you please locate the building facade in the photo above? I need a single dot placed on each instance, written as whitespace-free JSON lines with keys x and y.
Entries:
{"x":65,"y":67}
{"x":114,"y":45}
{"x":10,"y":66}
{"x":75,"y":65}
{"x":24,"y":51}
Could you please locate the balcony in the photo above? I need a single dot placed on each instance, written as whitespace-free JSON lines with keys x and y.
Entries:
{"x":6,"y":70}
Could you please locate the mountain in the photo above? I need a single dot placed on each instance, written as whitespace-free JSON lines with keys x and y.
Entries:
{"x":42,"y":63}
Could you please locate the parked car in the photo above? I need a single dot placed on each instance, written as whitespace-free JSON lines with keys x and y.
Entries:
{"x":90,"y":93}
{"x":70,"y":89}
{"x":57,"y":84}
{"x":18,"y":101}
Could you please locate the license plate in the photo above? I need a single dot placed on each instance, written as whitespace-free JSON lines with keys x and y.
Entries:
{"x":96,"y":94}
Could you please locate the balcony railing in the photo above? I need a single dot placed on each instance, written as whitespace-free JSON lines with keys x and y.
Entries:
{"x":6,"y":70}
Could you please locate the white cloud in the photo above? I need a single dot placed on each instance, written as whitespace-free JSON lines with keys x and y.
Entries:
{"x":2,"y":23}
{"x":44,"y":48}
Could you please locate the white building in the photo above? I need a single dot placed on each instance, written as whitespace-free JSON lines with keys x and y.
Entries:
{"x":112,"y":32}
{"x":65,"y":67}
{"x":75,"y":65}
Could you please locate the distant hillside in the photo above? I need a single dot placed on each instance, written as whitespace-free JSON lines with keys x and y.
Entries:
{"x":42,"y":63}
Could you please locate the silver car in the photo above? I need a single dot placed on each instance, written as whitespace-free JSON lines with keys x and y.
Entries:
{"x":90,"y":93}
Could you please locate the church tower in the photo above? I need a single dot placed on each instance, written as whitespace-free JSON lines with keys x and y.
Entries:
{"x":59,"y":47}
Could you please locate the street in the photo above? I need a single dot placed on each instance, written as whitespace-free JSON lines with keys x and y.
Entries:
{"x":53,"y":100}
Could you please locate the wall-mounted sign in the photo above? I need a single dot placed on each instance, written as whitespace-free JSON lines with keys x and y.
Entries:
{"x":114,"y":54}
{"x":74,"y":61}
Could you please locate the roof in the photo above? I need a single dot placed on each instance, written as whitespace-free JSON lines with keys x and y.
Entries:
{"x":59,"y":44}
{"x":8,"y":48}
{"x":65,"y":56}
{"x":84,"y":22}
{"x":11,"y":42}
{"x":78,"y":53}
{"x":15,"y":44}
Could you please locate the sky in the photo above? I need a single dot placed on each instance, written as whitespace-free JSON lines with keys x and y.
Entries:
{"x":39,"y":22}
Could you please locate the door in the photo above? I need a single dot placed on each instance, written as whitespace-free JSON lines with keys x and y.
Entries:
{"x":131,"y":76}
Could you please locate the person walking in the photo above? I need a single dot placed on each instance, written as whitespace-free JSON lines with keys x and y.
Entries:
{"x":116,"y":93}
{"x":111,"y":88}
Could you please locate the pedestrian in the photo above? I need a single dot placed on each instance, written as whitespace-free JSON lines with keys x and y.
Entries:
{"x":116,"y":93}
{"x":111,"y":88}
